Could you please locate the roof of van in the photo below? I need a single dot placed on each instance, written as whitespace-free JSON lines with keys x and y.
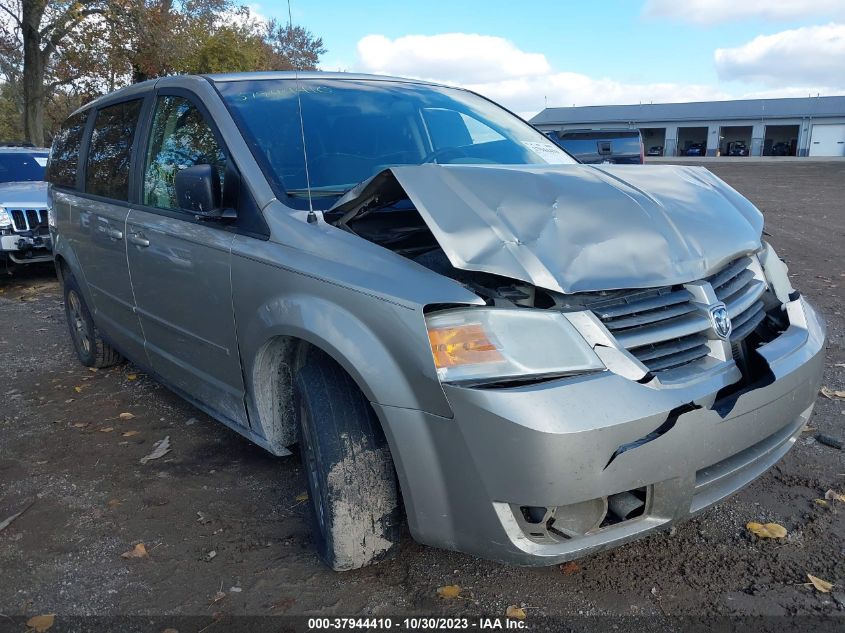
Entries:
{"x":132,"y":89}
{"x":317,"y":74}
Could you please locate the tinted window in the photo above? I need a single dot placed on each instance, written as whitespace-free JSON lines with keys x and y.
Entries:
{"x":180,"y":137}
{"x":354,"y":129}
{"x":64,"y":155}
{"x":19,"y":167}
{"x":620,"y":143}
{"x":109,"y":153}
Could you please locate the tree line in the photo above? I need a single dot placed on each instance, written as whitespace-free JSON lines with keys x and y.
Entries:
{"x":56,"y":55}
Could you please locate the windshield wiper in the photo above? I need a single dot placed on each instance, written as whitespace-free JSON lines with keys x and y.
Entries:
{"x":318,"y":192}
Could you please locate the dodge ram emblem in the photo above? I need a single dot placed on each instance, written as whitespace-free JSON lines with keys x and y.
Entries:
{"x":720,"y":320}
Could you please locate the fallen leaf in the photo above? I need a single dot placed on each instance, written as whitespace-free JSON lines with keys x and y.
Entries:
{"x":769,"y":530}
{"x":126,"y":416}
{"x":107,"y":429}
{"x":93,"y":370}
{"x":220,"y":595}
{"x":570,"y":568}
{"x":113,"y":503}
{"x":515,"y":612}
{"x":41,"y":623}
{"x":821,"y":585}
{"x":302,"y":496}
{"x":139,"y":551}
{"x":131,"y":376}
{"x":80,"y":425}
{"x":283,"y":604}
{"x":832,"y":495}
{"x":160,"y":449}
{"x":170,"y":631}
{"x":820,"y":502}
{"x":449,"y":591}
{"x":78,"y":389}
{"x":130,"y":433}
{"x":832,"y":394}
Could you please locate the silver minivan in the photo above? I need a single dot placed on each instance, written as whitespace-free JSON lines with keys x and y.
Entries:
{"x":451,"y":320}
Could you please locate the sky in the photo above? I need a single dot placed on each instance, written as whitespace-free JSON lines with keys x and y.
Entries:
{"x":528,"y":55}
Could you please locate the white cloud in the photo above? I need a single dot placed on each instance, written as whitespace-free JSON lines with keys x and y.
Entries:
{"x":451,"y":57}
{"x":719,"y":11}
{"x":806,"y":56}
{"x":526,"y":82}
{"x":496,"y":68}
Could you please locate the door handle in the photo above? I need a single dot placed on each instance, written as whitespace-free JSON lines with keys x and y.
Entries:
{"x":138,"y":239}
{"x":115,"y":234}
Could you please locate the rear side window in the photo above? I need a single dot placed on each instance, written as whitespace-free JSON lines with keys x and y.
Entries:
{"x":107,"y":172}
{"x":64,"y":155}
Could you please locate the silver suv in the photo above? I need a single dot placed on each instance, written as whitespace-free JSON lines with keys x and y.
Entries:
{"x":428,"y":296}
{"x":24,"y":235}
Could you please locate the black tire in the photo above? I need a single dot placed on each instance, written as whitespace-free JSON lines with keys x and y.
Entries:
{"x":348,"y":468}
{"x":90,"y":347}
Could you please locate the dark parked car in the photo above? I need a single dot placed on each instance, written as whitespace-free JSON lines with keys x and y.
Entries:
{"x":602,"y":146}
{"x":655,"y":150}
{"x":737,"y":148}
{"x":696,"y":149}
{"x":781,"y":149}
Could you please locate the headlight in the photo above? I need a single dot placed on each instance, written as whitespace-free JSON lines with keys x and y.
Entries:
{"x":5,"y":218}
{"x":493,"y":344}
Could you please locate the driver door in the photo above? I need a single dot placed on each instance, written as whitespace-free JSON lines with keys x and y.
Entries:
{"x":180,"y":265}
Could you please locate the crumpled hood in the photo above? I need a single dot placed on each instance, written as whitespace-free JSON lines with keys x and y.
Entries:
{"x":578,"y":228}
{"x":23,"y":194}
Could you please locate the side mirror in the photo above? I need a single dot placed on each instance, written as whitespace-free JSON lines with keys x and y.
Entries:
{"x":198,"y":191}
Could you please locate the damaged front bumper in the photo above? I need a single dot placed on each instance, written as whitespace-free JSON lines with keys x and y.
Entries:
{"x":26,"y":248}
{"x":540,"y":474}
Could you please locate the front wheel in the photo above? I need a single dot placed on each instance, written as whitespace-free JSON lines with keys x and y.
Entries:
{"x":349,"y":471}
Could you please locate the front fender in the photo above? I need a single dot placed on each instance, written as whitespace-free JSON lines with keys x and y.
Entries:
{"x":361,"y":347}
{"x":381,"y":343}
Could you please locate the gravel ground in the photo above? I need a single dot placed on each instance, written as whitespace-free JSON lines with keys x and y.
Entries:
{"x":218,"y":514}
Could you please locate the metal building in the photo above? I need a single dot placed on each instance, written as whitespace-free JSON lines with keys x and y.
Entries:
{"x":807,"y":126}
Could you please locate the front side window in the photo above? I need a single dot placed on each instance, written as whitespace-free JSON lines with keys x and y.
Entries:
{"x":353,"y":129}
{"x":64,"y":155}
{"x":180,"y":137}
{"x":110,"y":152}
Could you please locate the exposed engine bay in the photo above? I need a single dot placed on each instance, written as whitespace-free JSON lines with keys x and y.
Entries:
{"x":382,"y":212}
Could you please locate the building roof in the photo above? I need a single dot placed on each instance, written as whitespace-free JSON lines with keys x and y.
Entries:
{"x":695,"y":111}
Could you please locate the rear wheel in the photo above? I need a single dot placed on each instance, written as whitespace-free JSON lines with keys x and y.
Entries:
{"x":348,"y":468}
{"x":90,"y":347}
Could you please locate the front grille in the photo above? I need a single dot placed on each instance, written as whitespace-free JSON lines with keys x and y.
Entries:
{"x":741,"y":291}
{"x":28,"y":219}
{"x":664,"y":329}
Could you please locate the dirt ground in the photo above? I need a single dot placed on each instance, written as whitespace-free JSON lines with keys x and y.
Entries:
{"x":218,"y":514}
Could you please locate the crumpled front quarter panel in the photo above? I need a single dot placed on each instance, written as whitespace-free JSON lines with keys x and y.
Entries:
{"x":578,"y":228}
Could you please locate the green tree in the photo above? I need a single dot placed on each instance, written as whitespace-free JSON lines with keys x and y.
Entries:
{"x":57,"y":54}
{"x":40,"y":28}
{"x":10,"y":116}
{"x":294,"y":47}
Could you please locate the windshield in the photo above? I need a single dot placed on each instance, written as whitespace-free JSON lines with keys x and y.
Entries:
{"x":20,"y":167}
{"x":356,"y":128}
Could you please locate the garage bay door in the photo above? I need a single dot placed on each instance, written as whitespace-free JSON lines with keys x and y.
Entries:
{"x":828,"y":140}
